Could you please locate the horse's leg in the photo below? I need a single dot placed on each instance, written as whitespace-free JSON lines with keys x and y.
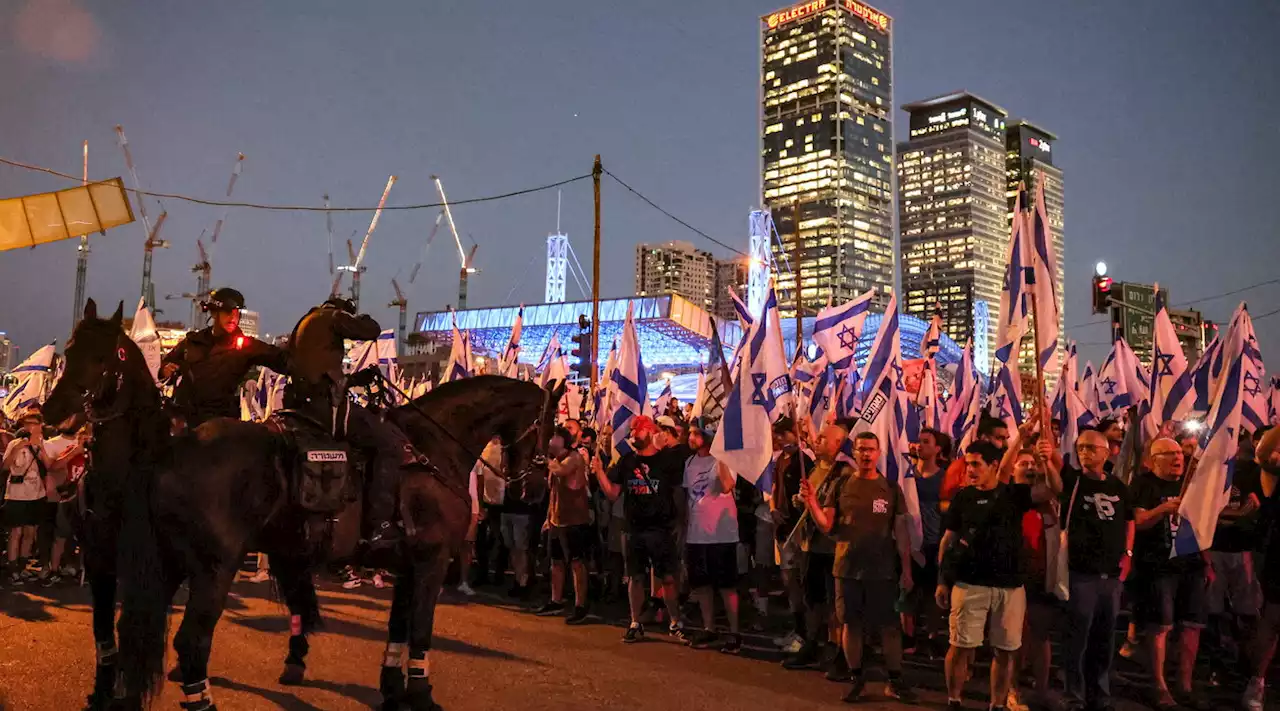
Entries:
{"x":391,"y":678}
{"x":194,"y":641}
{"x":293,"y":574}
{"x":431,"y":565}
{"x":102,"y":588}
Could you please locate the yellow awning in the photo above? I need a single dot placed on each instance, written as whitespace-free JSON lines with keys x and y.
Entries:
{"x":49,"y":217}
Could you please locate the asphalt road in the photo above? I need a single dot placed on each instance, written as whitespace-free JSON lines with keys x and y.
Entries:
{"x":488,"y":655}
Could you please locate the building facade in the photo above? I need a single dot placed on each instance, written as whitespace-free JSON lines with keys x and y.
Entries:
{"x":676,"y":268}
{"x":731,"y":275}
{"x":827,"y":149}
{"x":1029,"y":154}
{"x":8,"y":354}
{"x":953,"y":216}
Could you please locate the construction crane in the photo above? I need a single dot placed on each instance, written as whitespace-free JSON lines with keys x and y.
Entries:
{"x":82,"y":255}
{"x":468,"y":264}
{"x":413,"y":274}
{"x":403,"y":305}
{"x":204,"y":268}
{"x":356,"y":265}
{"x":328,"y":225}
{"x":152,"y":234}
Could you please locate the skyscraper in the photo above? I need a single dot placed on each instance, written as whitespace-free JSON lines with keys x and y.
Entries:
{"x":676,"y":268}
{"x":1029,"y":154}
{"x":953,"y":215}
{"x":731,"y":274}
{"x":827,"y":148}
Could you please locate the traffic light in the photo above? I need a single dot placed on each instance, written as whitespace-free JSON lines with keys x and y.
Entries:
{"x":1101,"y":293}
{"x":582,"y":349}
{"x":1210,"y":331}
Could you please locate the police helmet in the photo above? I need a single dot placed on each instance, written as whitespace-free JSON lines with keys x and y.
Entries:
{"x":341,"y":304}
{"x":224,"y":299}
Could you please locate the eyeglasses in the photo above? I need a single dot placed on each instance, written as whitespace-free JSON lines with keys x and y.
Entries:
{"x":1089,"y":447}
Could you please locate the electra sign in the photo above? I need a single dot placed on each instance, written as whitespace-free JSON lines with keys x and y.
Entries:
{"x":869,"y":14}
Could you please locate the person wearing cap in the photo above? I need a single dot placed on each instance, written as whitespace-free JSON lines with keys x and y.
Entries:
{"x":711,"y":540}
{"x":652,"y":479}
{"x":318,"y":385}
{"x":792,"y":465}
{"x":213,"y":362}
{"x":671,"y":436}
{"x":24,"y":496}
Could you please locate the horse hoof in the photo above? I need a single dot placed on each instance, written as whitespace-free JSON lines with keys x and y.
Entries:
{"x":293,"y":674}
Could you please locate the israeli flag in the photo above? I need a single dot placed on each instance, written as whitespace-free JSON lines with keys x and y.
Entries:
{"x":557,"y":370}
{"x":1072,"y":414}
{"x":965,"y":389}
{"x":1121,"y":382}
{"x":147,"y":337}
{"x":511,"y":354}
{"x":1172,"y":391}
{"x":1209,"y":488}
{"x":761,"y":393}
{"x":664,"y":399}
{"x":602,"y":401}
{"x":1205,"y":376}
{"x":820,"y":400}
{"x":1005,"y":402}
{"x":459,"y":364}
{"x":1044,"y":278}
{"x":32,"y":376}
{"x":631,"y":387}
{"x":1018,"y":278}
{"x":848,"y":394}
{"x":1273,"y":402}
{"x":1253,"y":407}
{"x":1088,"y":389}
{"x":838,"y":328}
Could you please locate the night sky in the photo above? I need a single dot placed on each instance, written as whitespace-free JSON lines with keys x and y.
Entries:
{"x":1168,"y":114}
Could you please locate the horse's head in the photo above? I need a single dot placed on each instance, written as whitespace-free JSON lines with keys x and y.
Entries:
{"x":530,"y":425}
{"x":100,"y":357}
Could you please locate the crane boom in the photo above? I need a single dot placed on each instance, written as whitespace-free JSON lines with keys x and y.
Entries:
{"x":373,"y":224}
{"x":462,"y":255}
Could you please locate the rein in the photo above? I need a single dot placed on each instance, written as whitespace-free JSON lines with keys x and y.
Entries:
{"x":113,"y":373}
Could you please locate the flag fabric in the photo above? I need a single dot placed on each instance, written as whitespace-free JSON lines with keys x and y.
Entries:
{"x":1253,"y":405}
{"x":557,"y":370}
{"x":664,"y":399}
{"x":32,"y":379}
{"x":631,"y":387}
{"x":745,"y":319}
{"x":1273,"y":402}
{"x":955,"y":419}
{"x":820,"y":399}
{"x":761,"y":393}
{"x":837,"y":329}
{"x":699,"y":393}
{"x":1121,"y":382}
{"x":143,"y":333}
{"x":1044,"y":278}
{"x":927,"y":400}
{"x":848,"y":394}
{"x":1172,"y":392}
{"x":1205,"y":376}
{"x":459,"y":363}
{"x":1005,"y":403}
{"x":507,"y":364}
{"x":1206,"y":493}
{"x":1019,"y":270}
{"x":362,"y":355}
{"x":602,"y":398}
{"x":1088,"y":389}
{"x":718,"y":380}
{"x":1072,"y":415}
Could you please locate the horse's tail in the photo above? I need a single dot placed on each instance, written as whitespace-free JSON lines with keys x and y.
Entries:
{"x":144,"y":616}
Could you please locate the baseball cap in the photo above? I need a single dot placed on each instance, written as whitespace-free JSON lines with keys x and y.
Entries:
{"x":667,"y":421}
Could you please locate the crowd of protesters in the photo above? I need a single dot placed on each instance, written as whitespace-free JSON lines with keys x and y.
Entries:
{"x":1018,"y":547}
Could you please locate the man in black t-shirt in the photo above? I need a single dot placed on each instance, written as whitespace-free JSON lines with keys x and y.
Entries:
{"x":981,"y":583}
{"x":652,"y":479}
{"x":1168,"y":589}
{"x":1263,"y":645}
{"x":1098,"y":518}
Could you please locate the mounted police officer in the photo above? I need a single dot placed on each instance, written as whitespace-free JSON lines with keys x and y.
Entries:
{"x":319,"y":388}
{"x":213,"y":361}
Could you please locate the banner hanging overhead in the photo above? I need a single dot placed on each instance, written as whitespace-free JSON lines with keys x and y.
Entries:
{"x":75,"y":212}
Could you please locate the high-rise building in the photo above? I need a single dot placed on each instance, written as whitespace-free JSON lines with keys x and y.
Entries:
{"x":1030,"y":154}
{"x":953,"y":217}
{"x":676,"y":268}
{"x":8,"y":354}
{"x":827,"y":147}
{"x":731,"y":274}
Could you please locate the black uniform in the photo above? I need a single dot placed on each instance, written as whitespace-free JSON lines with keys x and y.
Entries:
{"x":318,"y":385}
{"x":212,"y":368}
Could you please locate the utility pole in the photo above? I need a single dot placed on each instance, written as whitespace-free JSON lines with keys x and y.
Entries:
{"x":795,"y":270}
{"x":82,"y":257}
{"x":596,"y":170}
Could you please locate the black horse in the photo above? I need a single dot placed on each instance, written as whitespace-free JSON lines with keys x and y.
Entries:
{"x":174,"y":509}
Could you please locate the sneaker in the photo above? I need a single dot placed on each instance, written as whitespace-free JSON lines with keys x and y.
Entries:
{"x":549,"y":608}
{"x":634,"y":633}
{"x":378,"y":582}
{"x":732,"y":644}
{"x":854,"y":694}
{"x":1128,"y":649}
{"x":50,"y":580}
{"x":1014,"y":701}
{"x":350,"y":578}
{"x":703,"y":639}
{"x":787,"y":640}
{"x":17,"y":579}
{"x":578,"y":617}
{"x":261,"y":576}
{"x":794,"y":646}
{"x":677,"y":630}
{"x":897,"y":689}
{"x":465,"y":590}
{"x":806,"y":658}
{"x":1254,"y":694}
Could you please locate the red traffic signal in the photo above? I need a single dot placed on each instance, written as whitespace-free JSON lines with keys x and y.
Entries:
{"x":1101,"y":294}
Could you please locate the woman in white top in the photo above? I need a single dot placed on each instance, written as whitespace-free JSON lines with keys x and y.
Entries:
{"x":24,"y":496}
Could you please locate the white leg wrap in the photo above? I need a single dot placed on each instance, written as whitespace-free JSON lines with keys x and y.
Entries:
{"x":394,"y":655}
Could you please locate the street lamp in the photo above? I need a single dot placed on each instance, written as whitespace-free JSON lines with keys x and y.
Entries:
{"x":1100,"y":269}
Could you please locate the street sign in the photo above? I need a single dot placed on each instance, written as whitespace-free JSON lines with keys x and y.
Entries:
{"x":1137,"y":318}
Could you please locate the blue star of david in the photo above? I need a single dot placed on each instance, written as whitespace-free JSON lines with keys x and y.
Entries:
{"x":897,"y":374}
{"x":758,"y":395}
{"x":1252,"y":386}
{"x":848,"y":337}
{"x":1001,"y":402}
{"x":1165,"y":364}
{"x":1110,"y":385}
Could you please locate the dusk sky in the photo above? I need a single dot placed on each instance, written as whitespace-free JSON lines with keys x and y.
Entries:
{"x":1168,"y":115}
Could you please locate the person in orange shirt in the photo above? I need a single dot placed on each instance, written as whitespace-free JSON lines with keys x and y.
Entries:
{"x":989,"y":430}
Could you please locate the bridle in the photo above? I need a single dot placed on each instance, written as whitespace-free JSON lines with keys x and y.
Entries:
{"x":109,"y":386}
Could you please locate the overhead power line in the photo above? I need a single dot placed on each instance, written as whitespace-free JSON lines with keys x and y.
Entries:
{"x":657,"y":207}
{"x":305,"y":208}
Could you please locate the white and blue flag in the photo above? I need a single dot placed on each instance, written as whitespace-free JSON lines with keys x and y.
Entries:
{"x":511,"y":354}
{"x":664,"y":399}
{"x":1121,"y":382}
{"x":1018,"y":278}
{"x":1005,"y":403}
{"x":459,"y":364}
{"x":1043,"y":282}
{"x":1273,"y":402}
{"x":630,"y":385}
{"x":32,"y":382}
{"x":1205,"y":376}
{"x":837,"y":329}
{"x":1173,"y":394}
{"x":1253,"y":406}
{"x":761,"y":393}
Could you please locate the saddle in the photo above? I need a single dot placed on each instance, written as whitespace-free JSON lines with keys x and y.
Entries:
{"x":320,"y":468}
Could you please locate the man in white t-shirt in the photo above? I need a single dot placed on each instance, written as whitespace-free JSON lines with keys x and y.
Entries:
{"x":65,"y":453}
{"x":24,"y":499}
{"x":711,"y":540}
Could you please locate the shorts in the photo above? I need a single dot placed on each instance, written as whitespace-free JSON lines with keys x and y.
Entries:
{"x":651,"y":549}
{"x":870,"y":601}
{"x":712,"y":565}
{"x":63,"y":519}
{"x":1165,"y":599}
{"x":515,"y":531}
{"x":617,"y":535}
{"x":574,"y":540}
{"x":1236,"y":583}
{"x":975,"y":607}
{"x":819,"y":585}
{"x":25,"y":513}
